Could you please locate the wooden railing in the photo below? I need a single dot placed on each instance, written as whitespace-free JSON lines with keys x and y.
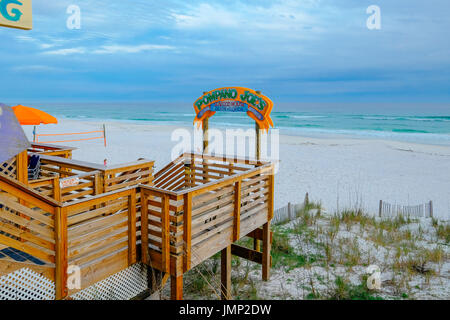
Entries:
{"x":187,"y":226}
{"x":28,"y":220}
{"x":88,"y":179}
{"x":51,"y":150}
{"x":98,"y":235}
{"x":176,"y":230}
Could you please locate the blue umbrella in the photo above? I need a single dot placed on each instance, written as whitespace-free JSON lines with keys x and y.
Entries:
{"x":12,"y":137}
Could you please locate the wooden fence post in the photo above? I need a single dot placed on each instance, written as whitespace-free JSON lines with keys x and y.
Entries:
{"x":187,"y":235}
{"x":165,"y":230}
{"x":144,"y":226}
{"x":431,"y":209}
{"x":132,"y":228}
{"x":289,"y":211}
{"x":61,"y":253}
{"x":56,"y":189}
{"x":176,"y":287}
{"x":237,"y":211}
{"x":380,"y":209}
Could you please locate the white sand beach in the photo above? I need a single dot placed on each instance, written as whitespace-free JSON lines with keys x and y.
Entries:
{"x":338,"y":172}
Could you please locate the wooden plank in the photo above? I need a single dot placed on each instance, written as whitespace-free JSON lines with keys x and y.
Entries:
{"x":187,"y":235}
{"x":97,"y":233}
{"x":29,"y":195}
{"x":32,"y":225}
{"x":27,"y":236}
{"x":88,"y":226}
{"x":165,"y":241}
{"x":132,"y":228}
{"x":85,"y":248}
{"x":25,"y":247}
{"x":26,"y":211}
{"x":225,"y":273}
{"x":237,"y":211}
{"x":61,"y":253}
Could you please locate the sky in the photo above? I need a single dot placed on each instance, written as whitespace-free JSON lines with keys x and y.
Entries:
{"x":293,"y":51}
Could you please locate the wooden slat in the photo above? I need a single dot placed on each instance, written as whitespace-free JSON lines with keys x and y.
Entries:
{"x":28,"y":224}
{"x":26,"y":211}
{"x":23,"y":246}
{"x":28,"y":236}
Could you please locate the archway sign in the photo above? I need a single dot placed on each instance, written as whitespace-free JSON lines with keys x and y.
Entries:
{"x":16,"y":14}
{"x":235,"y":99}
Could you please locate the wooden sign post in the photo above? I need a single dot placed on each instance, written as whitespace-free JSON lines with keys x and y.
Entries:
{"x":16,"y":14}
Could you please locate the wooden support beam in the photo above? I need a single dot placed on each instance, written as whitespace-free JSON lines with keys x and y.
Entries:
{"x":266,"y":261}
{"x":246,"y":253}
{"x":237,"y":211}
{"x":187,"y":235}
{"x":61,"y":253}
{"x":144,"y":227}
{"x":225,"y":273}
{"x":271,"y":199}
{"x":132,"y":228}
{"x":205,"y":136}
{"x":56,"y":189}
{"x":176,"y":287}
{"x":258,"y":234}
{"x":165,"y":230}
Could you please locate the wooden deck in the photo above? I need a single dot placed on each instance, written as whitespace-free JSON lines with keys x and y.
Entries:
{"x":114,"y":217}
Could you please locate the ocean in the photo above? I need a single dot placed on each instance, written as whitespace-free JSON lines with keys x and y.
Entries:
{"x":429,"y":124}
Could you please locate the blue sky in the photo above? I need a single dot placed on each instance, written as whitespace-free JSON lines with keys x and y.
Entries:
{"x":302,"y":51}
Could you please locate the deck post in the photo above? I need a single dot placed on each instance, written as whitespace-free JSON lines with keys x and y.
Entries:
{"x":176,"y":287}
{"x":132,"y":228}
{"x":205,"y":136}
{"x":56,"y":189}
{"x":237,"y":211}
{"x":165,"y":229}
{"x":22,"y":167}
{"x":144,"y":227}
{"x":266,"y":252}
{"x":187,"y":220}
{"x":225,"y":273}
{"x":256,"y":243}
{"x":61,"y":253}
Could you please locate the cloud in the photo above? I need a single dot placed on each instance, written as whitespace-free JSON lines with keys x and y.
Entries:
{"x":65,"y":52}
{"x":113,"y":49}
{"x":36,"y":68}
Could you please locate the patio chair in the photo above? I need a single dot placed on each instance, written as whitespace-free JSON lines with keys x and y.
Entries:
{"x":34,"y":167}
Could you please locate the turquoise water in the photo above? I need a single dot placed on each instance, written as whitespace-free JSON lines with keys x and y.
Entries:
{"x":413,"y":124}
